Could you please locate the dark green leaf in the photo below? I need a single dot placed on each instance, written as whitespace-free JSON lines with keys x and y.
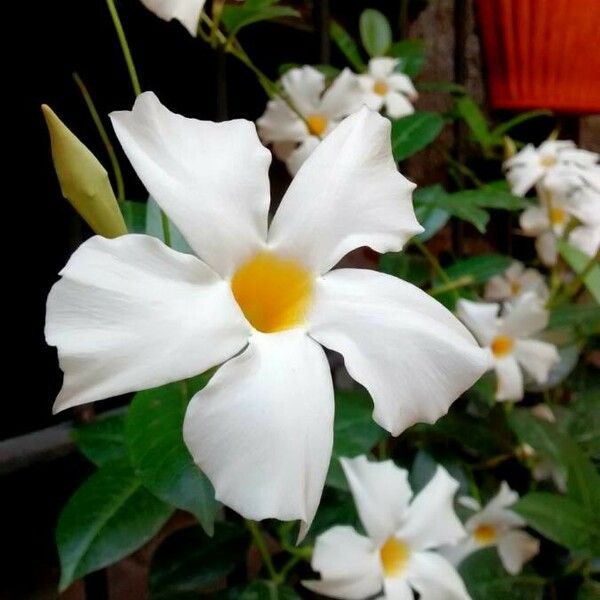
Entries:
{"x":582,"y":422}
{"x":579,"y":261}
{"x":347,"y":46}
{"x":585,"y":316}
{"x":425,"y":465}
{"x":267,"y":590}
{"x":414,"y":269}
{"x":475,"y":119}
{"x":490,"y":197}
{"x":375,"y":32}
{"x":432,"y":219}
{"x":411,"y":54}
{"x":589,"y":590}
{"x":568,"y":357}
{"x":505,"y":127}
{"x":237,"y":16}
{"x":107,"y":518}
{"x":329,"y":71}
{"x":134,"y":214}
{"x":154,"y":228}
{"x":103,"y":440}
{"x":153,"y":430}
{"x":414,"y":132}
{"x":479,"y":268}
{"x":444,"y":87}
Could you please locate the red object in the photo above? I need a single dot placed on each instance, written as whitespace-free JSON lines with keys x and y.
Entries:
{"x":542,"y":53}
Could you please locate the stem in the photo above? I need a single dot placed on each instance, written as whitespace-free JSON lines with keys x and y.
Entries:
{"x":433,"y":261}
{"x":166,"y":228}
{"x":579,"y":280}
{"x":104,"y":136}
{"x":261,"y":545}
{"x":452,"y":285}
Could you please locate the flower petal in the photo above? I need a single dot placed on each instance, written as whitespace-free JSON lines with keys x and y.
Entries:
{"x":509,"y":379}
{"x":397,"y":589}
{"x":413,"y":356}
{"x":130,"y":314}
{"x":348,"y":194}
{"x":397,"y":105}
{"x":381,"y":493}
{"x":280,"y":124}
{"x":343,"y":97}
{"x":536,"y":357}
{"x":435,"y":578}
{"x":525,"y":317}
{"x":304,"y":86}
{"x":496,"y":512}
{"x":516,"y":548}
{"x":523,"y":170}
{"x":586,"y":238}
{"x":546,"y":246}
{"x":297,"y":158}
{"x":348,"y":564}
{"x":186,"y":12}
{"x":210,"y":178}
{"x":382,"y":67}
{"x":430,"y":521}
{"x":402,"y":83}
{"x":480,"y":317}
{"x":497,"y":288}
{"x":262,"y":429}
{"x":534,"y":220}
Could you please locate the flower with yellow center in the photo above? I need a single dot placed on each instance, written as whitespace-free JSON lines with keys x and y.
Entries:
{"x":316,"y":124}
{"x":131,"y":313}
{"x":514,"y":282}
{"x":187,"y":12}
{"x":399,"y":553}
{"x":508,"y":339}
{"x":495,"y":525}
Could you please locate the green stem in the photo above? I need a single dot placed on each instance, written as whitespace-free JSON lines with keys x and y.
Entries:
{"x":575,"y":285}
{"x":166,"y":228}
{"x":452,"y":285}
{"x":434,"y":262}
{"x":104,"y":136}
{"x":261,"y":546}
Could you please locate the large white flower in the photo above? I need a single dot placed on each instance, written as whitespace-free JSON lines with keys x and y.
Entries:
{"x":384,"y":88}
{"x":295,"y":135}
{"x":496,"y":525}
{"x":131,"y":313}
{"x":186,"y":12}
{"x":507,"y":339}
{"x":531,"y":165}
{"x":398,"y":555}
{"x":514,"y":282}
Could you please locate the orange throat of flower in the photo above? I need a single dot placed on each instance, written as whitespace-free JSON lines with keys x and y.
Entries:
{"x":502,"y":345}
{"x":515,"y":288}
{"x":394,"y":556}
{"x":316,"y":124}
{"x":485,"y":534}
{"x":381,"y":88}
{"x":557,"y":216}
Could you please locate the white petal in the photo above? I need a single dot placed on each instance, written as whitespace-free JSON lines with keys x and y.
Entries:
{"x":397,"y":589}
{"x":480,"y":317}
{"x":296,"y":159}
{"x":381,"y":493}
{"x":262,"y":428}
{"x":413,"y":356}
{"x":533,"y":281}
{"x":382,"y":67}
{"x":509,"y":379}
{"x":280,"y":124}
{"x":210,"y":178}
{"x":496,"y":512}
{"x":402,"y":83}
{"x":516,"y":548}
{"x":304,"y":86}
{"x":348,"y":564}
{"x":586,"y":239}
{"x":534,"y":220}
{"x":346,"y":195}
{"x":515,"y":270}
{"x":525,"y":316}
{"x":524,"y":169}
{"x":497,"y":288}
{"x":435,"y":578}
{"x":343,"y":97}
{"x":430,"y":521}
{"x":536,"y":357}
{"x":185,"y":11}
{"x":456,"y":553}
{"x":130,"y":314}
{"x":397,"y":105}
{"x":547,"y":248}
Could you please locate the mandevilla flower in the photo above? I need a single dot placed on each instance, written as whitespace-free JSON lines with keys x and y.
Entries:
{"x":514,"y":282}
{"x":295,"y":135}
{"x":187,"y":12}
{"x":399,"y":555}
{"x":131,"y":313}
{"x":496,"y":525}
{"x":383,"y":87}
{"x":507,"y":340}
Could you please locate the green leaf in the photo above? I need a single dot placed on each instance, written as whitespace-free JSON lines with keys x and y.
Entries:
{"x":103,"y":440}
{"x":432,"y":219}
{"x":585,"y":316}
{"x":411,"y":54}
{"x":107,"y":518}
{"x":486,"y":579}
{"x":329,"y":71}
{"x":475,"y":119}
{"x":499,"y":131}
{"x":153,"y":431}
{"x":238,"y":16}
{"x":568,"y":357}
{"x":491,"y":197}
{"x":155,"y":229}
{"x":561,"y":519}
{"x":579,"y":261}
{"x":414,"y":132}
{"x":375,"y":32}
{"x":347,"y":46}
{"x":414,"y":269}
{"x":582,"y":422}
{"x":589,"y":590}
{"x":479,"y":268}
{"x":134,"y":214}
{"x":190,"y":561}
{"x":444,"y":87}
{"x":355,"y":432}
{"x":267,"y":590}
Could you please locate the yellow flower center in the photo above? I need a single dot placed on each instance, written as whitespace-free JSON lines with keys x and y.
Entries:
{"x":394,"y":556}
{"x":381,"y":88}
{"x":502,"y":345}
{"x":485,"y":534}
{"x":548,"y":161}
{"x":515,"y":288}
{"x":273,"y":293}
{"x":317,"y":124}
{"x":557,"y":215}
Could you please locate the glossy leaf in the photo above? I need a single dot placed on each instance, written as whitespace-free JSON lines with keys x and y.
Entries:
{"x":585,"y":316}
{"x":475,"y":119}
{"x":414,"y":132}
{"x":411,"y":54}
{"x":479,"y":268}
{"x":579,"y":261}
{"x":238,"y":16}
{"x":134,"y":214}
{"x":375,"y":32}
{"x":103,"y":440}
{"x":490,"y":197}
{"x":414,"y":269}
{"x":154,"y":228}
{"x":347,"y":46}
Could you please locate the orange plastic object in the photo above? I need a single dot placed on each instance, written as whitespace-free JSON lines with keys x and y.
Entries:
{"x":542,"y":53}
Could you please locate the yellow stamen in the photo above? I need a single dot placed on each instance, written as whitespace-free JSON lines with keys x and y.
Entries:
{"x":485,"y":534}
{"x":515,"y":288}
{"x":394,"y":556}
{"x":548,"y":161}
{"x":317,"y":124}
{"x":273,"y":293}
{"x":381,"y":88}
{"x":502,"y":345}
{"x":557,"y":215}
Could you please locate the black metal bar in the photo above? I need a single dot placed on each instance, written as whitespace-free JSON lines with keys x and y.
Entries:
{"x":221,"y":68}
{"x":321,"y":19}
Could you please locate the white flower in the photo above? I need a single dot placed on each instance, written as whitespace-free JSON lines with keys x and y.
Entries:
{"x":514,"y":282}
{"x":131,"y":313}
{"x":186,"y":12}
{"x":496,"y":525}
{"x":295,"y":135}
{"x":531,"y":165}
{"x":398,"y":555}
{"x":385,"y":88}
{"x":507,"y":339}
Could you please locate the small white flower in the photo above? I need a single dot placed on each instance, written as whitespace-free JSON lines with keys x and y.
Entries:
{"x":514,"y":282}
{"x":186,"y":12}
{"x":131,"y":313}
{"x":507,"y":339}
{"x":385,"y":88}
{"x":295,"y":135}
{"x":496,"y":525}
{"x":531,"y":165}
{"x":398,"y":555}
